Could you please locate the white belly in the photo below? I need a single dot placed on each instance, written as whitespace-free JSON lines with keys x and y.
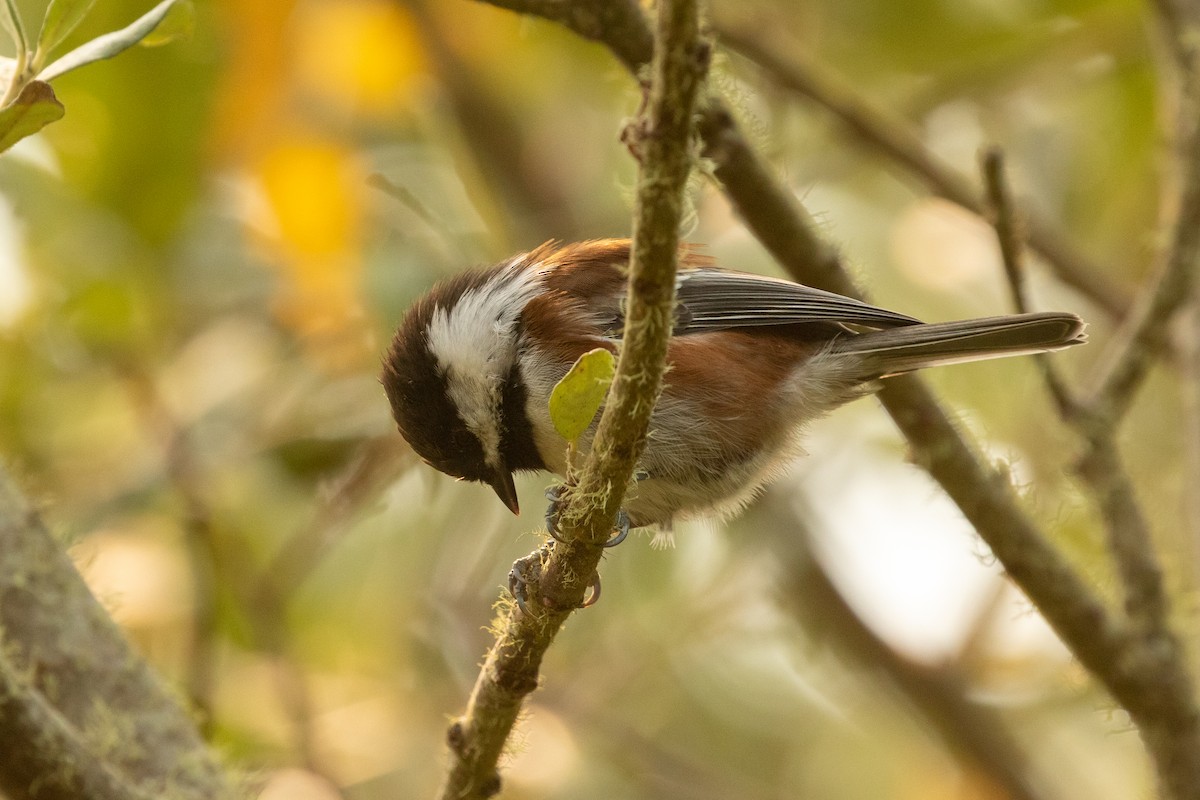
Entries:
{"x":690,"y":468}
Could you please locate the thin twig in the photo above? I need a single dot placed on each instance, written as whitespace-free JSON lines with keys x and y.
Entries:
{"x":204,"y":554}
{"x":1145,"y":334}
{"x":263,"y":596}
{"x":558,"y":575}
{"x":893,"y":136}
{"x":984,"y":496}
{"x":1166,"y":709}
{"x":528,"y":197}
{"x":1004,"y":219}
{"x":373,"y":464}
{"x":1180,"y":20}
{"x":1189,"y":401}
{"x":1134,"y":554}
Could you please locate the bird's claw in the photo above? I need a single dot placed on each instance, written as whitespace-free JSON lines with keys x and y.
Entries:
{"x":554,"y":495}
{"x":518,"y":584}
{"x":622,"y":530}
{"x":590,"y":599}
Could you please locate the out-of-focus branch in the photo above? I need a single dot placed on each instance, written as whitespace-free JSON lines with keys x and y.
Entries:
{"x":1189,"y":391}
{"x":266,"y":595}
{"x":263,"y":596}
{"x":983,"y":495}
{"x":495,"y":140}
{"x":974,"y":733}
{"x":1004,"y":218}
{"x":619,"y":25}
{"x":373,"y":464}
{"x":1166,"y":707}
{"x":203,"y":554}
{"x":70,"y":680}
{"x":1145,"y":334}
{"x":893,"y":136}
{"x":1160,"y":692}
{"x":1170,"y":717}
{"x":1180,"y":20}
{"x":558,"y":576}
{"x":45,"y":756}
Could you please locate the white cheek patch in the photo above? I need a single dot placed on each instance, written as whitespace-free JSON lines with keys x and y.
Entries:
{"x":474,"y":342}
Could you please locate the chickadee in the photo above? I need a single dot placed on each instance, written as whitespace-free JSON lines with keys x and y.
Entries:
{"x":751,"y":361}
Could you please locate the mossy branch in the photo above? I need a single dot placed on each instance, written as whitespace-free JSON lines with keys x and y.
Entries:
{"x":558,"y":575}
{"x":67,"y":676}
{"x":45,"y":756}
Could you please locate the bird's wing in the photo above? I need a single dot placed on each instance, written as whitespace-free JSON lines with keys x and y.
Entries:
{"x":712,"y":299}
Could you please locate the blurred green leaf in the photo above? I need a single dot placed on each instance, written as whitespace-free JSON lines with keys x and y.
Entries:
{"x":10,"y":18}
{"x":110,"y":44}
{"x":61,"y":18}
{"x":578,"y":396}
{"x":35,"y":108}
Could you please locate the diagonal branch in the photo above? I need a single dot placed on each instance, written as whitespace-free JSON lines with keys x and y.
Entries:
{"x":894,"y":138}
{"x":558,"y":576}
{"x":1145,"y":334}
{"x":1180,"y":20}
{"x":1165,"y":709}
{"x":985,"y":496}
{"x":67,"y":672}
{"x":534,"y":206}
{"x":1008,"y":234}
{"x":45,"y":754}
{"x":974,"y":732}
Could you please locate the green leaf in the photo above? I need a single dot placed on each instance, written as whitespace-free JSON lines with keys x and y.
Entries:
{"x":110,"y":44}
{"x":61,"y":18}
{"x":579,"y":395}
{"x":10,"y":19}
{"x":35,"y":108}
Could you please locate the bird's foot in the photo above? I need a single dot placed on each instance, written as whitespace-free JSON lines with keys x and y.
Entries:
{"x":524,"y":571}
{"x":554,"y":509}
{"x":518,"y":581}
{"x":622,"y":529}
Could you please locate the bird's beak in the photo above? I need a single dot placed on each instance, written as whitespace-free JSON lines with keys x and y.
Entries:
{"x":506,"y":490}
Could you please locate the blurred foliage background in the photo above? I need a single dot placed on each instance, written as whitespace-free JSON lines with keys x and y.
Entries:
{"x":201,"y":263}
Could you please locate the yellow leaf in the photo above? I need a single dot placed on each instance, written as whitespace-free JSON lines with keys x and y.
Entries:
{"x":314,"y":187}
{"x":361,"y":56}
{"x":579,"y":395}
{"x":310,"y":227}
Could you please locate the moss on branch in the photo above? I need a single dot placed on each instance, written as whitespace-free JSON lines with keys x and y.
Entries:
{"x":558,"y":575}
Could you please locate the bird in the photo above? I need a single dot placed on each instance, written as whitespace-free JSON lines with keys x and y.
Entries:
{"x":752,"y":360}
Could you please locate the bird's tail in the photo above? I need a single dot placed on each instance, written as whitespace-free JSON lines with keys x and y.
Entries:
{"x":898,"y":350}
